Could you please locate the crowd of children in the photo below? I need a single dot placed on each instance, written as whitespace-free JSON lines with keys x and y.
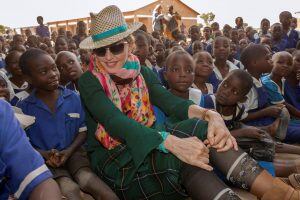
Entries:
{"x":250,"y":77}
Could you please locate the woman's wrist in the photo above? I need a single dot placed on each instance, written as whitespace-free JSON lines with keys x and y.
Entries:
{"x":169,"y":142}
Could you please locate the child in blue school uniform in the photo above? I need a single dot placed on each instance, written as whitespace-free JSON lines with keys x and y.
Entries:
{"x":59,"y":131}
{"x":23,"y":173}
{"x":19,"y":85}
{"x":274,"y":84}
{"x":292,"y":86}
{"x":69,"y":68}
{"x":279,"y":43}
{"x":261,"y":112}
{"x":222,"y":66}
{"x":289,"y":34}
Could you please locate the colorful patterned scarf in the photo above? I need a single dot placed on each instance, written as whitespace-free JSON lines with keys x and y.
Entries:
{"x":132,"y":99}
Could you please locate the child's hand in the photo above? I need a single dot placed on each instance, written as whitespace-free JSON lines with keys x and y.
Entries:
{"x":273,"y":111}
{"x":64,"y":155}
{"x":4,"y":92}
{"x":52,"y":158}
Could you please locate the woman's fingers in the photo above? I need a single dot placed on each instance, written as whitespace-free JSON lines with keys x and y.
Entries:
{"x":202,"y":165}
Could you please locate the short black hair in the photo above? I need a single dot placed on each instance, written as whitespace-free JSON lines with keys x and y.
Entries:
{"x":252,"y":52}
{"x":40,"y":17}
{"x":245,"y":79}
{"x":219,"y":38}
{"x":10,"y":55}
{"x":175,"y":54}
{"x":29,"y":55}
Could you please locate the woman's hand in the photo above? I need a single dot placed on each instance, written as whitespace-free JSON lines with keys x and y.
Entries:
{"x":218,"y":136}
{"x":189,"y":150}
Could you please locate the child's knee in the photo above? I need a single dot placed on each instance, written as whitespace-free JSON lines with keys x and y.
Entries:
{"x":83,"y":177}
{"x":68,"y":186}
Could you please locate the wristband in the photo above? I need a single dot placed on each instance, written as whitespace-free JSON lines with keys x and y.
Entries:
{"x":164,"y":136}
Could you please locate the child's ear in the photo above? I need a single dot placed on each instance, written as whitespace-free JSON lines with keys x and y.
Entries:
{"x":244,"y":99}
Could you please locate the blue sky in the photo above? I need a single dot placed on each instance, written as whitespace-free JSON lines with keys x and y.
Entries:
{"x":18,"y":13}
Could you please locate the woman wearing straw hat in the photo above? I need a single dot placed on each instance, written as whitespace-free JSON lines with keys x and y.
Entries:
{"x":142,"y":159}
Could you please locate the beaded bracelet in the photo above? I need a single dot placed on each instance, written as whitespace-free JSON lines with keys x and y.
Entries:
{"x":164,"y":136}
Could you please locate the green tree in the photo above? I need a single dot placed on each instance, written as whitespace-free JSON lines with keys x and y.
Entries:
{"x":2,"y":29}
{"x":208,"y":17}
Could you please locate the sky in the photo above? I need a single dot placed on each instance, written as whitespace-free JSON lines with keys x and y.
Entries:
{"x":20,"y":13}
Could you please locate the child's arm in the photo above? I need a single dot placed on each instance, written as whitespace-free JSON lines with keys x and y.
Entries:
{"x":292,"y":110}
{"x":249,"y":132}
{"x":271,"y":111}
{"x":78,"y":141}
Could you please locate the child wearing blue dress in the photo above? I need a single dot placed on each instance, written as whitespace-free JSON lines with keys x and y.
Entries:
{"x":290,"y":35}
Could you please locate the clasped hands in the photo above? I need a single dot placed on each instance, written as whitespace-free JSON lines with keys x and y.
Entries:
{"x":195,"y":152}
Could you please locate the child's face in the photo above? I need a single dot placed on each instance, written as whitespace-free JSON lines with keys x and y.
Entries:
{"x":61,"y":45}
{"x":249,"y":32}
{"x":229,"y":92}
{"x":221,"y":49}
{"x":197,"y":47}
{"x":243,"y":43}
{"x":233,"y":49}
{"x":84,"y":55}
{"x":72,"y":47}
{"x":266,"y":41}
{"x":18,"y":40}
{"x":234,"y":35}
{"x":4,"y":92}
{"x":276,"y":32}
{"x":204,"y":64}
{"x":241,"y":34}
{"x":141,"y":49}
{"x":286,"y":19}
{"x":44,"y":74}
{"x":207,"y":32}
{"x":195,"y":33}
{"x":294,"y":23}
{"x":180,"y":73}
{"x":47,"y":41}
{"x":265,"y":26}
{"x":13,"y":65}
{"x":69,"y":67}
{"x":282,"y":65}
{"x":296,"y":62}
{"x":264,"y":63}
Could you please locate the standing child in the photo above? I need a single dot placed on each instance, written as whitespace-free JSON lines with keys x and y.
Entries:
{"x":59,"y":131}
{"x":20,"y":86}
{"x":290,"y":35}
{"x":203,"y":69}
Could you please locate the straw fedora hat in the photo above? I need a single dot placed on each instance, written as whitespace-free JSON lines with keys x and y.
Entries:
{"x":108,"y":27}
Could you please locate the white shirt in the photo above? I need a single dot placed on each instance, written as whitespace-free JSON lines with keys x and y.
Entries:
{"x":218,"y":73}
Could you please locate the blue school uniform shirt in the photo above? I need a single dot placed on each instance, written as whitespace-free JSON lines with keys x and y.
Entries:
{"x":21,"y":167}
{"x":54,"y":130}
{"x":292,"y":37}
{"x":292,"y":94}
{"x":280,"y":46}
{"x":274,"y":92}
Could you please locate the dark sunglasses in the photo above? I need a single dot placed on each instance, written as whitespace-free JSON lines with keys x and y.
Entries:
{"x":115,"y":49}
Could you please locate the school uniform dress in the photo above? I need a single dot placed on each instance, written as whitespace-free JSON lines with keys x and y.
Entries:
{"x":135,"y":169}
{"x":292,"y":94}
{"x":57,"y":130}
{"x":275,"y":96}
{"x":216,"y":77}
{"x":20,"y":93}
{"x":21,"y":167}
{"x":210,"y":88}
{"x":280,"y":46}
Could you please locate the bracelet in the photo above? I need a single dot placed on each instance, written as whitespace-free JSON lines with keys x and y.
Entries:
{"x":164,"y":136}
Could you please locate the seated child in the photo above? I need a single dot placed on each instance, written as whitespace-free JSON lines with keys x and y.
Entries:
{"x":59,"y":131}
{"x":69,"y":68}
{"x":257,"y":61}
{"x":274,"y":84}
{"x":20,"y":86}
{"x":197,"y":46}
{"x":6,"y":90}
{"x":222,"y":66}
{"x":203,"y":69}
{"x":291,"y":85}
